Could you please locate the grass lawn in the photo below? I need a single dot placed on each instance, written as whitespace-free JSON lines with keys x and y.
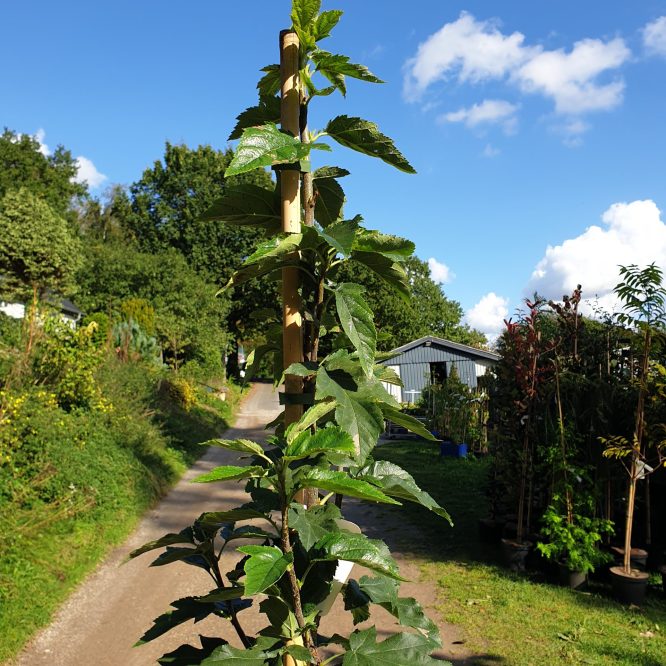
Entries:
{"x":515,"y":619}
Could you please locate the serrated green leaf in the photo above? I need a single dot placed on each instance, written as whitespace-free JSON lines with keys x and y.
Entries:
{"x":310,"y":418}
{"x":409,"y":613}
{"x":230,"y":473}
{"x":390,"y":271}
{"x":222,"y":594}
{"x":242,"y":445}
{"x":407,"y":421}
{"x":267,"y":111}
{"x":386,"y":374}
{"x":397,"y":650}
{"x":313,"y":523}
{"x":266,"y":146}
{"x":335,"y":67}
{"x":340,"y":235}
{"x":184,"y":536}
{"x":265,"y":567}
{"x":275,"y":248}
{"x":325,"y":22}
{"x":356,"y":601}
{"x":258,"y":655}
{"x":355,"y":413}
{"x":329,"y":172}
{"x":396,"y":482}
{"x":171,"y":555}
{"x":220,"y":518}
{"x":299,"y":653}
{"x":269,"y":84}
{"x":246,"y":205}
{"x":391,"y":247}
{"x":357,"y":548}
{"x":357,"y":322}
{"x":305,"y":369}
{"x":340,"y":482}
{"x":329,"y":202}
{"x":304,"y":13}
{"x":365,"y":137}
{"x":326,"y":440}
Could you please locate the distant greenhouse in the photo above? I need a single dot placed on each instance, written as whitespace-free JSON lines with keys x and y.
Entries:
{"x":431,"y":360}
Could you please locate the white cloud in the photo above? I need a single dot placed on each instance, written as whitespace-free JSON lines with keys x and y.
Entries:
{"x":488,"y":112}
{"x":654,"y":36}
{"x":476,"y":49}
{"x":488,"y":315}
{"x":570,"y":79}
{"x":39,"y":136}
{"x":440,"y":272}
{"x":87,"y":173}
{"x":471,"y":51}
{"x":633,"y":233}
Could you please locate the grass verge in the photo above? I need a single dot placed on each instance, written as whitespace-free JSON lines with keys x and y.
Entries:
{"x":513,"y":619}
{"x":82,"y":481}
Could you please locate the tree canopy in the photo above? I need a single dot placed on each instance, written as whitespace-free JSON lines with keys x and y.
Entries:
{"x":39,"y":252}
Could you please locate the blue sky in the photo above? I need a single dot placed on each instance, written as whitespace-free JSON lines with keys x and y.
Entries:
{"x":526,"y":125}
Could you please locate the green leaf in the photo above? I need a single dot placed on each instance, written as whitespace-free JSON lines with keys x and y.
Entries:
{"x":329,"y":172}
{"x":340,"y":482}
{"x":310,"y":418}
{"x":230,"y":473}
{"x":407,"y":421}
{"x":266,"y":146}
{"x":330,"y":199}
{"x":174,"y":555}
{"x":258,"y":655}
{"x":305,"y":369}
{"x":326,"y":440}
{"x":357,"y":322}
{"x":391,"y":247}
{"x":390,"y":271}
{"x":340,"y":235}
{"x":299,"y":653}
{"x":242,"y":445}
{"x":265,"y":567}
{"x":356,"y":601}
{"x":267,"y":111}
{"x":222,"y":594}
{"x":358,"y":415}
{"x":184,"y":536}
{"x":336,"y":67}
{"x":357,"y":548}
{"x":269,"y":83}
{"x":275,"y":248}
{"x":365,"y":137}
{"x":397,"y":650}
{"x":219,"y":518}
{"x":304,"y":13}
{"x":325,"y":22}
{"x":314,"y":523}
{"x":185,"y":609}
{"x":387,"y":374}
{"x":409,"y":613}
{"x":246,"y":205}
{"x":396,"y":482}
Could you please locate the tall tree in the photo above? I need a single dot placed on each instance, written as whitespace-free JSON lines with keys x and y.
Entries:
{"x":49,"y":177}
{"x":39,"y":251}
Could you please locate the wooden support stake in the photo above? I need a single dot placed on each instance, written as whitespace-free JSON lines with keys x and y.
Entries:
{"x":292,"y":336}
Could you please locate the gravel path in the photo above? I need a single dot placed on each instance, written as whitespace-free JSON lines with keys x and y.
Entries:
{"x":114,"y":606}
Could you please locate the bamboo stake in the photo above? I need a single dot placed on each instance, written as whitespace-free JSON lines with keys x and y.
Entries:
{"x":292,"y":337}
{"x":292,"y":332}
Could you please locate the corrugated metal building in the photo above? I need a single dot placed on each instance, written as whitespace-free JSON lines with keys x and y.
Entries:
{"x":431,"y":359}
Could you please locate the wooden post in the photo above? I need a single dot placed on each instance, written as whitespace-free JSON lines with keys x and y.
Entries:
{"x":292,"y":334}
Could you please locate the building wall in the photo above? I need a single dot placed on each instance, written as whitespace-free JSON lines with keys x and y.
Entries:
{"x":415,"y":368}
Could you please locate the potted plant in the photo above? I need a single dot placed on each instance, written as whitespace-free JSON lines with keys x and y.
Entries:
{"x":572,"y":542}
{"x":644,"y":308}
{"x":450,"y":414}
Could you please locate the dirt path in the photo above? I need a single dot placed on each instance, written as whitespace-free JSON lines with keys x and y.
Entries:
{"x":116,"y":604}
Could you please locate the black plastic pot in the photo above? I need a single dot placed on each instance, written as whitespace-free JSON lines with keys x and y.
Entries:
{"x":638,"y":558}
{"x":629,"y":588}
{"x":571,"y":579}
{"x":515,"y":553}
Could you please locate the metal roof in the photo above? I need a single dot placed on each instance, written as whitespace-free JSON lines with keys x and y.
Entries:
{"x":431,"y":339}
